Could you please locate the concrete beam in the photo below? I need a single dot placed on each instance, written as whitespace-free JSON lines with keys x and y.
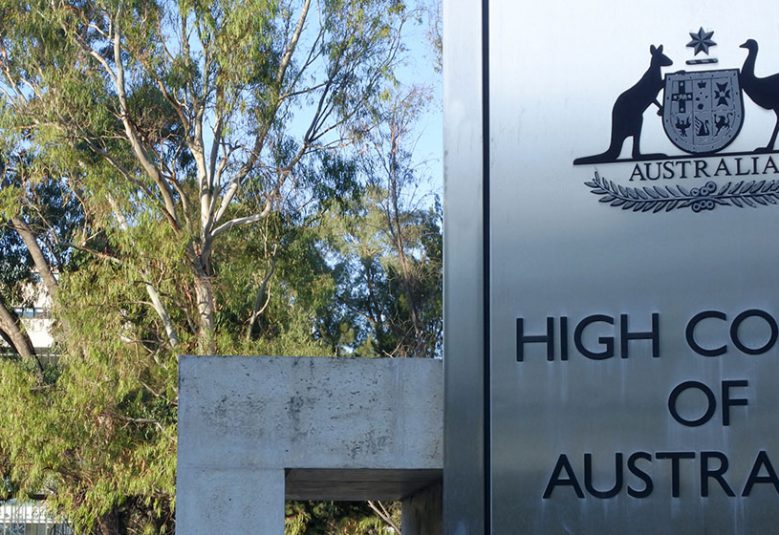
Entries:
{"x":357,"y":485}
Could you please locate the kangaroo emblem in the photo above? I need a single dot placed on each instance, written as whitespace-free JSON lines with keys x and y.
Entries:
{"x":627,"y":115}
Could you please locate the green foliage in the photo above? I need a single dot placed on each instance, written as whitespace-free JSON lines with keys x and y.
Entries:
{"x":15,"y":264}
{"x":29,"y":192}
{"x":334,"y":518}
{"x":390,"y":243}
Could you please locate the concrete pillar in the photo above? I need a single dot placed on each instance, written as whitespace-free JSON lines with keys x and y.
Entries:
{"x":422,"y":513}
{"x":230,"y":501}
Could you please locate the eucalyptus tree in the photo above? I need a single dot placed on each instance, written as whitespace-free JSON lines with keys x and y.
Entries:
{"x":391,"y":237}
{"x":194,"y":142}
{"x":190,"y":106}
{"x":38,"y":216}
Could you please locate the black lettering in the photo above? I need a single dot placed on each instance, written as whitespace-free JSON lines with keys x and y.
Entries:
{"x":690,"y":333}
{"x":648,"y":167}
{"x":722,"y":167}
{"x":762,"y":461}
{"x":523,"y":339}
{"x":626,"y":336}
{"x":556,"y":480}
{"x":613,"y":491}
{"x":636,"y":173}
{"x":683,"y":164}
{"x":728,"y":402}
{"x":643,"y":476}
{"x":700,"y":168}
{"x":668,"y":170}
{"x":714,"y":473}
{"x":710,"y":408}
{"x":739,"y":171}
{"x":675,"y":456}
{"x":750,"y":314}
{"x":770,"y":165}
{"x":607,"y":341}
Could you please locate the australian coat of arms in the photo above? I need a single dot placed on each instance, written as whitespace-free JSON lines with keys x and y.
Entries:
{"x":703,"y":111}
{"x":702,"y":114}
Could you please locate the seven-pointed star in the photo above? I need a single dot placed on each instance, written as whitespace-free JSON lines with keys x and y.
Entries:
{"x":701,"y":41}
{"x":722,"y":94}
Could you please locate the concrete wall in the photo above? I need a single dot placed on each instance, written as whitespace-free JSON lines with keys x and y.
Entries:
{"x":423,"y":512}
{"x":333,"y":428}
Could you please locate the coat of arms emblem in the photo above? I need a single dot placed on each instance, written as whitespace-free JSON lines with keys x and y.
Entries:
{"x":702,"y":111}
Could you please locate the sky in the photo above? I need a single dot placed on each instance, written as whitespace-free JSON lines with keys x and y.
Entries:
{"x":420,"y":68}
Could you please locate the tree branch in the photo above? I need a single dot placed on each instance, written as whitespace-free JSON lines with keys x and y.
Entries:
{"x":221,"y":229}
{"x":38,"y":258}
{"x":287,"y":56}
{"x":262,"y":291}
{"x":157,"y":304}
{"x":12,"y":331}
{"x":132,"y":135}
{"x":383,"y":514}
{"x":243,"y":172}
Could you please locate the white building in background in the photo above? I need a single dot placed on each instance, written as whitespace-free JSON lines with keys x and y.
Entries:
{"x":37,"y":318}
{"x":29,"y":518}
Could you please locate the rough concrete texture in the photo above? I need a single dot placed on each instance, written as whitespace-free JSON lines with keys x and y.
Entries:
{"x":325,"y":419}
{"x":223,"y":501}
{"x":264,"y":412}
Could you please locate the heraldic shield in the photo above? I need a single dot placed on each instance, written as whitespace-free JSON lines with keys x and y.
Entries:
{"x":702,"y":111}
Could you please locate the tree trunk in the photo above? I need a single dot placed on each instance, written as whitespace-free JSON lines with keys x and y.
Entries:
{"x":199,"y":256}
{"x":108,"y":524}
{"x":205,"y":308}
{"x":204,"y":293}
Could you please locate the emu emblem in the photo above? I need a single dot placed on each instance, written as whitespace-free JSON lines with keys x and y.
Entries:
{"x":702,"y":111}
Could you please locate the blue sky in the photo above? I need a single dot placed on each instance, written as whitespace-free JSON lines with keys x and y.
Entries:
{"x":420,"y":69}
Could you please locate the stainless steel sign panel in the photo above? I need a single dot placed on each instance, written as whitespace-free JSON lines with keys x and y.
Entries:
{"x":633,"y":281}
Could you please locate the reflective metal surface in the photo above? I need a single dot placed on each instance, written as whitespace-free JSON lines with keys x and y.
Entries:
{"x":464,"y":423}
{"x":557,"y":70}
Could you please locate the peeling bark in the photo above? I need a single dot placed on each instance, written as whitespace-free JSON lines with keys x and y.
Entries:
{"x":204,"y":294}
